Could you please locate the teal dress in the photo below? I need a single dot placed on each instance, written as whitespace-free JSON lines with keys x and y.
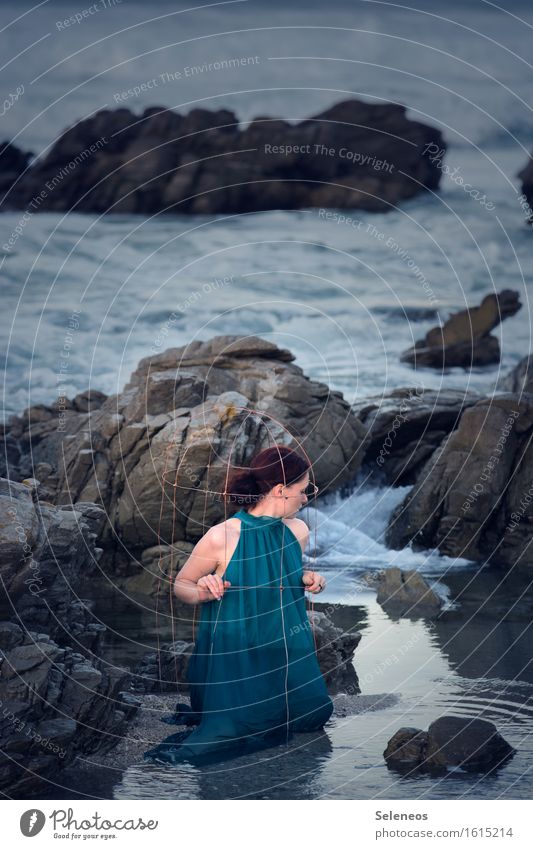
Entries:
{"x":254,"y":676}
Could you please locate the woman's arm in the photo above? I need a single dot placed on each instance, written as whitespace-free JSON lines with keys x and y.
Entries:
{"x":195,"y":582}
{"x":313,"y":581}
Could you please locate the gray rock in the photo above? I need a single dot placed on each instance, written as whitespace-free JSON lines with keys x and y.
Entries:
{"x":47,"y":558}
{"x":335,"y":650}
{"x":10,"y":635}
{"x":404,"y":592}
{"x":57,"y":699}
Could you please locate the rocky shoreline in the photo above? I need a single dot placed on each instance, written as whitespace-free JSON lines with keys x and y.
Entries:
{"x":81,"y":491}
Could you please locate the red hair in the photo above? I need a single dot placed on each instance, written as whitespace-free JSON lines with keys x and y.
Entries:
{"x":278,"y":464}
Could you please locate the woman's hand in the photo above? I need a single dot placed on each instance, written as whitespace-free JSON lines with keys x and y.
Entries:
{"x":213,"y":585}
{"x":313,"y":582}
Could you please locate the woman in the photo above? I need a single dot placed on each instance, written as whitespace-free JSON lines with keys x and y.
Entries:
{"x":254,"y":676}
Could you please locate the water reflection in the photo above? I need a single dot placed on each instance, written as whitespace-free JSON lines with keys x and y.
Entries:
{"x":290,"y":771}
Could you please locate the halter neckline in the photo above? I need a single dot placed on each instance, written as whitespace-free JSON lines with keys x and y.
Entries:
{"x":260,"y":520}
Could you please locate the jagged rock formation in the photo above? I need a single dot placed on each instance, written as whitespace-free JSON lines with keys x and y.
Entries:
{"x":473,"y":496}
{"x":355,"y":154}
{"x":57,"y":698}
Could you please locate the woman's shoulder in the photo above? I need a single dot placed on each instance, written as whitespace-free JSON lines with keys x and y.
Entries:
{"x":294,"y":522}
{"x":298,"y":527}
{"x":221,"y":531}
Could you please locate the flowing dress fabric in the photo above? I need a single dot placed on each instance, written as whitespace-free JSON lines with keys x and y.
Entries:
{"x":254,"y":676}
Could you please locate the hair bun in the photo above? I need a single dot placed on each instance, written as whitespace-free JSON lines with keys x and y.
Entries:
{"x":273,"y":465}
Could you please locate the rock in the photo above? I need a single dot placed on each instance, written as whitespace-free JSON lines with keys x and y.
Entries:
{"x":164,"y":670}
{"x":526,"y":200}
{"x":182,"y":409}
{"x":468,"y":743}
{"x":54,"y":708}
{"x":474,"y":744}
{"x":10,"y":635}
{"x":464,"y":339}
{"x":406,"y":425}
{"x":153,"y":586}
{"x":473,"y":496}
{"x":57,"y":699}
{"x":47,"y":557}
{"x":405,"y":593}
{"x":335,"y":650}
{"x":354,"y":154}
{"x":23,"y":658}
{"x":520,"y":378}
{"x":406,"y":748}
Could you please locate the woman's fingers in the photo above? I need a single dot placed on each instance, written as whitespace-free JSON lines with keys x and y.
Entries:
{"x":215,"y":585}
{"x":314,"y":582}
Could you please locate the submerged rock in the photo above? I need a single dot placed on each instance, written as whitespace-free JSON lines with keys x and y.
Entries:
{"x":464,"y":339}
{"x":451,"y":741}
{"x":404,"y":592}
{"x":354,"y":154}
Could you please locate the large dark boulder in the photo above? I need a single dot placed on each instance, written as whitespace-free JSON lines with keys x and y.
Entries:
{"x":355,"y":154}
